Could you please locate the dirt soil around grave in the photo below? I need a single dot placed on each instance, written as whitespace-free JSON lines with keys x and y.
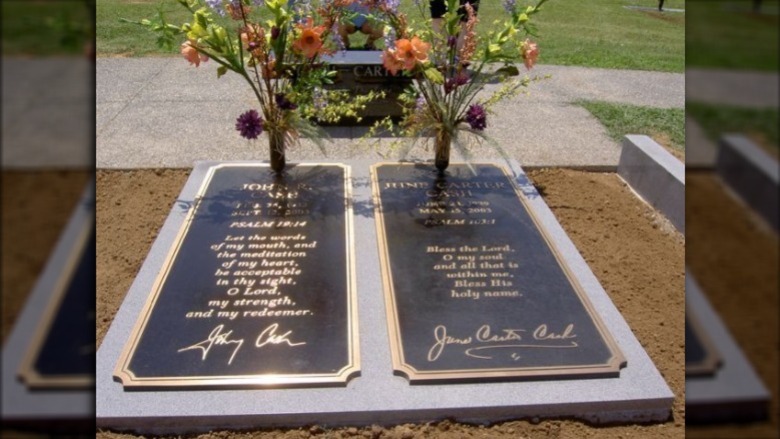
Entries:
{"x":636,"y":255}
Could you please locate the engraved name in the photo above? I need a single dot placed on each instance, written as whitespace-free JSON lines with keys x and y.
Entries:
{"x":218,"y":336}
{"x":484,"y":341}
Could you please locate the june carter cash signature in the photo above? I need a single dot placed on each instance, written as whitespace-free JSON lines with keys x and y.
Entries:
{"x":218,"y":337}
{"x":484,"y":340}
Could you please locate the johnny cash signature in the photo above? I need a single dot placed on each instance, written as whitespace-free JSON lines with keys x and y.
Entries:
{"x":220,"y":337}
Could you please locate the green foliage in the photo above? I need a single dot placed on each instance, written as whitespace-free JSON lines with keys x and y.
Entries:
{"x":600,"y":33}
{"x":46,"y":27}
{"x":622,"y":119}
{"x":717,"y":120}
{"x":728,"y":34}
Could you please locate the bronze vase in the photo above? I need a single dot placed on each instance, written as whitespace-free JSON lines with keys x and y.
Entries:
{"x":442,"y":145}
{"x":276,"y":144}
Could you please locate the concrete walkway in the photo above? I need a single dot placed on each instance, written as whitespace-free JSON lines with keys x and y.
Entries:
{"x":162,"y":112}
{"x":153,"y":112}
{"x":731,"y":88}
{"x":47,"y":113}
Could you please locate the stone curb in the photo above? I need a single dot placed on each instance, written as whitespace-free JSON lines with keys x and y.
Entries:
{"x":752,"y":173}
{"x":655,"y":175}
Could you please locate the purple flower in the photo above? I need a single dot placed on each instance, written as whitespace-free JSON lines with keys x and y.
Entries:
{"x":249,"y":124}
{"x":216,"y":6}
{"x":476,"y":116}
{"x":419,"y":104}
{"x":337,"y":40}
{"x":390,"y":38}
{"x":452,"y":40}
{"x":391,"y":5}
{"x":456,"y":81}
{"x":283,"y":103}
{"x":275,"y":31}
{"x":319,"y":99}
{"x":509,"y":5}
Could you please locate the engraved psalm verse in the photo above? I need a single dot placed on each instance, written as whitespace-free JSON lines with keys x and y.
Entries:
{"x":259,"y":261}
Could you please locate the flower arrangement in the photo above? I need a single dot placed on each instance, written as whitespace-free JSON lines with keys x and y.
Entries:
{"x":451,"y":66}
{"x":277,"y":47}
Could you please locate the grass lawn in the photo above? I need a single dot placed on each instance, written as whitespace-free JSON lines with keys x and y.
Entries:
{"x":727,"y":34}
{"x":759,"y":124}
{"x":595,"y":33}
{"x":43,"y":28}
{"x":665,"y":125}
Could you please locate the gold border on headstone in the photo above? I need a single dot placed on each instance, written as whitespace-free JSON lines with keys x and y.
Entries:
{"x":123,"y":374}
{"x":612,"y":366}
{"x":30,"y":376}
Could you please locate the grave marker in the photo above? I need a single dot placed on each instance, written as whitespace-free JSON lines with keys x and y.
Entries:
{"x":258,"y":289}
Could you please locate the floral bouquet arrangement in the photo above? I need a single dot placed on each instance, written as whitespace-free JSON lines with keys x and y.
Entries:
{"x":277,"y":47}
{"x":450,"y":65}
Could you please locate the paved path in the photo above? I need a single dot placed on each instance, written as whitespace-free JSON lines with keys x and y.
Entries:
{"x":153,"y":112}
{"x":163,"y":112}
{"x":47,"y":113}
{"x":729,"y":88}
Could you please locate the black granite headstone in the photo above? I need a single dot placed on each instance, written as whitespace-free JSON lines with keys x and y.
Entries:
{"x":258,"y":290}
{"x":361,"y":72}
{"x":474,"y":289}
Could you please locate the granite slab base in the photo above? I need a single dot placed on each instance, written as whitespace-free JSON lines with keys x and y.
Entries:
{"x":639,"y":394}
{"x":752,"y":173}
{"x":656,"y":175}
{"x":734,"y":393}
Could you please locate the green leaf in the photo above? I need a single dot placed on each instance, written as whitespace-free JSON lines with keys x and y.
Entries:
{"x":434,"y":75}
{"x":221,"y":70}
{"x":509,"y":70}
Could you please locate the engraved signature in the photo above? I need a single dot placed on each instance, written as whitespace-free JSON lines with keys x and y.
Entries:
{"x":216,"y":338}
{"x":269,"y":336}
{"x":484,"y":341}
{"x":219,"y":337}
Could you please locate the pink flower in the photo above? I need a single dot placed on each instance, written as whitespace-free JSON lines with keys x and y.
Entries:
{"x":191,"y":54}
{"x":530,"y":53}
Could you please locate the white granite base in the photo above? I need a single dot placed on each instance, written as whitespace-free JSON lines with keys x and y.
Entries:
{"x":752,"y":173}
{"x":656,"y":175}
{"x":735,"y":393}
{"x":639,"y":394}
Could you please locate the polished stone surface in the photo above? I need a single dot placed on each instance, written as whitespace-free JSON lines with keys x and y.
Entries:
{"x":258,"y":290}
{"x":477,"y":292}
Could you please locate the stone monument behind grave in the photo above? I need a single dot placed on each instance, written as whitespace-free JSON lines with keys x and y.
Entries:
{"x":361,"y":71}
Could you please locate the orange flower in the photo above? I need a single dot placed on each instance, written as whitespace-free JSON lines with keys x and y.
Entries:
{"x":309,"y":42}
{"x":391,"y":62}
{"x":530,"y":53}
{"x":404,"y":54}
{"x":420,"y":49}
{"x":191,"y":54}
{"x":409,"y":52}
